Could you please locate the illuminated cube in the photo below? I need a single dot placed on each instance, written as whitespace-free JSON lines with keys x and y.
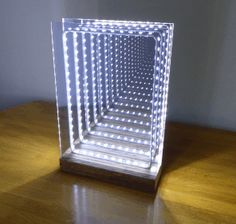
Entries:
{"x":112,"y":85}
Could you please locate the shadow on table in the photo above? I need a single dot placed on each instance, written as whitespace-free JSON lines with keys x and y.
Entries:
{"x":186,"y":144}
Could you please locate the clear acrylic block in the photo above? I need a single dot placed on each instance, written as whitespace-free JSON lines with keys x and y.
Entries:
{"x":111,"y":85}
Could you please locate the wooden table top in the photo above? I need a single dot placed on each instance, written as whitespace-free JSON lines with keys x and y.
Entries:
{"x":198,"y":183}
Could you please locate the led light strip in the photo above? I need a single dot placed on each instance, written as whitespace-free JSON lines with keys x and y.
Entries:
{"x":120,"y":61}
{"x":68,"y":90}
{"x":106,"y":73}
{"x":141,"y":83}
{"x":128,"y":120}
{"x":111,"y":51}
{"x":129,"y":59}
{"x":113,"y":158}
{"x":162,"y":79}
{"x":94,"y":80}
{"x":139,"y":87}
{"x":99,"y":78}
{"x":113,"y":146}
{"x":161,"y":96}
{"x":130,"y":112}
{"x":85,"y":84}
{"x":78,"y":93}
{"x":117,"y":78}
{"x":136,"y":99}
{"x":125,"y":61}
{"x":124,"y":23}
{"x":165,"y":82}
{"x":123,"y":128}
{"x":131,"y":105}
{"x":137,"y":93}
{"x":120,"y":137}
{"x":132,"y":57}
{"x":109,"y":70}
{"x":127,"y":24}
{"x":155,"y":116}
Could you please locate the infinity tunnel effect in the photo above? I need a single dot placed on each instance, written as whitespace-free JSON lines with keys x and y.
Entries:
{"x":117,"y":75}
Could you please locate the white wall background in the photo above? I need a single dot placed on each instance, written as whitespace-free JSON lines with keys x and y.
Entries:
{"x":26,"y":70}
{"x":203,"y":77}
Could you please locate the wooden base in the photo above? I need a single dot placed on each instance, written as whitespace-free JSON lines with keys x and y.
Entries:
{"x":113,"y":174}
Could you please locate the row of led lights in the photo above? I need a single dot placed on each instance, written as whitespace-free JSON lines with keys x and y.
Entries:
{"x":156,"y":114}
{"x":85,"y":84}
{"x":128,"y":23}
{"x":113,"y":158}
{"x":153,"y":135}
{"x":106,"y":72}
{"x":76,"y":60}
{"x":167,"y":68}
{"x":68,"y":88}
{"x":128,"y":112}
{"x":141,"y":83}
{"x":124,"y":22}
{"x":124,"y":128}
{"x":158,"y":128}
{"x":100,"y":83}
{"x":148,"y":72}
{"x":111,"y":31}
{"x":94,"y":78}
{"x":116,"y":147}
{"x":139,"y":87}
{"x":136,"y":99}
{"x":120,"y":137}
{"x":131,"y":105}
{"x":128,"y":120}
{"x":143,"y":94}
{"x":121,"y":28}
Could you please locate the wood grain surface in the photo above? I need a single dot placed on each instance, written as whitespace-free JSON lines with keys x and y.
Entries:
{"x":198,"y":182}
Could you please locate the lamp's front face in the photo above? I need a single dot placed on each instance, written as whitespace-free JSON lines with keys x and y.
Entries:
{"x":112,"y":84}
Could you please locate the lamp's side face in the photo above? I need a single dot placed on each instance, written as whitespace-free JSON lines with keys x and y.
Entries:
{"x":60,"y":86}
{"x":112,"y":86}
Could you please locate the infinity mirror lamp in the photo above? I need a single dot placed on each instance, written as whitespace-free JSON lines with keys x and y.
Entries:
{"x":111,"y":87}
